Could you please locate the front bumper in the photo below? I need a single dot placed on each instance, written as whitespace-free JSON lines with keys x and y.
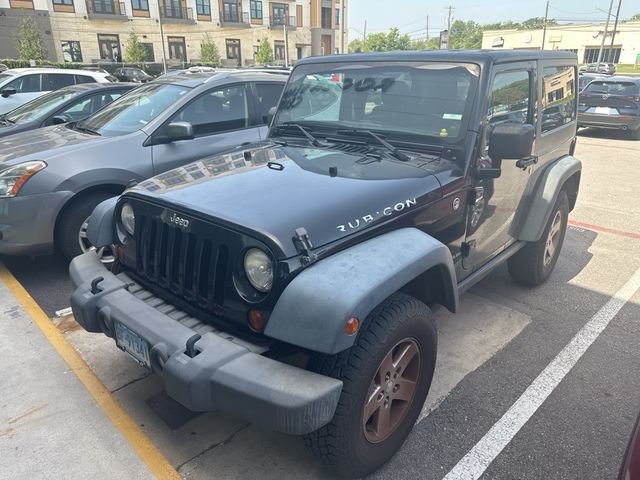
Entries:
{"x":625,"y":122}
{"x":27,"y":222}
{"x":227,"y":374}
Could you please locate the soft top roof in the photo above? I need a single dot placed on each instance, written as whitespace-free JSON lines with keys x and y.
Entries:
{"x":457,"y":56}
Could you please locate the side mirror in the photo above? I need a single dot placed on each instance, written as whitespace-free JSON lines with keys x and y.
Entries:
{"x":60,"y":119}
{"x":177,"y":131}
{"x":270,"y":114}
{"x":7,"y":92}
{"x":511,"y":141}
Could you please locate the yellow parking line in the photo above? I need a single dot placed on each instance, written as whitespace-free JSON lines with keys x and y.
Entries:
{"x":144,"y":447}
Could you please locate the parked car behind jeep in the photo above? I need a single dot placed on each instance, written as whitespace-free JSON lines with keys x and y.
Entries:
{"x":53,"y":177}
{"x":384,"y":188}
{"x":69,"y":104}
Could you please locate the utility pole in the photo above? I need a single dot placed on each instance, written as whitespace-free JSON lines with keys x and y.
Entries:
{"x":342,"y":31}
{"x":365,"y":30}
{"x":606,"y":30}
{"x":615,"y":27}
{"x":164,"y":54}
{"x":449,"y":18}
{"x":544,"y":25}
{"x":427,"y":28}
{"x":286,"y":42}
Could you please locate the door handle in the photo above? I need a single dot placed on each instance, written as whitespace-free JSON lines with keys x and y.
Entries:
{"x":526,"y":162}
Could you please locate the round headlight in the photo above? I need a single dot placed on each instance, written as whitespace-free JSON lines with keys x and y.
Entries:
{"x":128,"y":219}
{"x":259,"y":270}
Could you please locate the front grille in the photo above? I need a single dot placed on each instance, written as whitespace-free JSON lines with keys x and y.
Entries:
{"x":187,"y":264}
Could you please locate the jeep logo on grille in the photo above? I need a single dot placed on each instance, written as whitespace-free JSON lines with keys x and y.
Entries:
{"x":172,"y":218}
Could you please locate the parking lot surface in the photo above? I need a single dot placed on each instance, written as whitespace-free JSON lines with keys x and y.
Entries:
{"x":530,"y":383}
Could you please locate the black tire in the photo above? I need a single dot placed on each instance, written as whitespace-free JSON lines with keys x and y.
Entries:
{"x":532,"y":265}
{"x":67,"y":233}
{"x":342,"y":444}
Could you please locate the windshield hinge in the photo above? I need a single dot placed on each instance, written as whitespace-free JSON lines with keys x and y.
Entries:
{"x":303,"y":245}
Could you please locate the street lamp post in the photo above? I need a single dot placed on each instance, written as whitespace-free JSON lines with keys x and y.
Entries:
{"x":164,"y":54}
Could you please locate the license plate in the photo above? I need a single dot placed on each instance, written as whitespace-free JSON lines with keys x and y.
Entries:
{"x":605,"y":111}
{"x":131,"y":343}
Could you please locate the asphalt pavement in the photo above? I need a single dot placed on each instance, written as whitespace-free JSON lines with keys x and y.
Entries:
{"x":503,"y":346}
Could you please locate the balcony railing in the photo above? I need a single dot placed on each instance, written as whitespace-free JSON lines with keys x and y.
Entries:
{"x":281,"y":20}
{"x":177,"y":13}
{"x":106,"y":8}
{"x":238,"y":19}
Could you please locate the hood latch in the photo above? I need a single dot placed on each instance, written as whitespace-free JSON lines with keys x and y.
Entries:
{"x":303,"y":245}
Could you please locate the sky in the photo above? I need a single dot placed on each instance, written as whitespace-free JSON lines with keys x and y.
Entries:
{"x":410,"y":16}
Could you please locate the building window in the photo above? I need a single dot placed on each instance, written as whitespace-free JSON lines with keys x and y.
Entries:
{"x":63,"y":2}
{"x":203,"y":7}
{"x":326,"y":17}
{"x":109,"y":46}
{"x":21,"y":4}
{"x":140,"y":5}
{"x":609,"y":54}
{"x":337,"y":17}
{"x":256,"y":9}
{"x":148,"y":49}
{"x":233,"y":50}
{"x":230,"y":11}
{"x":71,"y":51}
{"x":278,"y":51}
{"x":177,"y":48}
{"x":279,"y":12}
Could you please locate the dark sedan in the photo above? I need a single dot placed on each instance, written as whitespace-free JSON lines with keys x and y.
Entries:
{"x":137,"y":75}
{"x":69,"y":104}
{"x":611,"y":103}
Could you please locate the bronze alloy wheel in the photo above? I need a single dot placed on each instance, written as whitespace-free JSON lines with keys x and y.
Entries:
{"x":392,"y":390}
{"x":553,"y":240}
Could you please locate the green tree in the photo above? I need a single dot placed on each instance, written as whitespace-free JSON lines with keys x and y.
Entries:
{"x":209,"y":52}
{"x":535,"y":23}
{"x":465,"y":34}
{"x":382,"y":42}
{"x":134,"y":51}
{"x":265,"y":53}
{"x":635,"y":18}
{"x":30,"y":43}
{"x":431,"y":44}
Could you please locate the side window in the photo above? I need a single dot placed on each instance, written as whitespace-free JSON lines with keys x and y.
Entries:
{"x":268,"y":95}
{"x":219,"y":110}
{"x":86,"y":106}
{"x":558,"y":97}
{"x":509,"y":102}
{"x":26,"y":84}
{"x":84,"y":79}
{"x":54,"y":81}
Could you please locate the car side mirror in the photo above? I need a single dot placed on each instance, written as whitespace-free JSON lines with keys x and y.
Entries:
{"x":511,"y":141}
{"x":60,"y":119}
{"x":271,"y":114}
{"x":177,"y":131}
{"x":7,"y":92}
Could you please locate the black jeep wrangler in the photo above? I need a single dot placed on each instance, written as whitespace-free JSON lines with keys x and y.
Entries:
{"x":290,"y":283}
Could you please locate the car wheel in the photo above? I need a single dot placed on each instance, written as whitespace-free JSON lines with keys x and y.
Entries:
{"x":72,"y":229}
{"x":533,"y":264}
{"x":386,"y":376}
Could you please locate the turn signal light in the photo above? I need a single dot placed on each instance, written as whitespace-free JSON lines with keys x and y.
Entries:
{"x":256,"y":320}
{"x":351,"y":326}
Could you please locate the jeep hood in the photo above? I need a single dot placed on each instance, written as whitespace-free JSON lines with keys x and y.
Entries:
{"x":274,"y":190}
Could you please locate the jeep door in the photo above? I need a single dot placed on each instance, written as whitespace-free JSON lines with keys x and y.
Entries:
{"x":221,"y":118}
{"x":492,"y":211}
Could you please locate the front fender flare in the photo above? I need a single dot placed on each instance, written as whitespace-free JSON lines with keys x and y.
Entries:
{"x":101,"y":231}
{"x":312,"y":310}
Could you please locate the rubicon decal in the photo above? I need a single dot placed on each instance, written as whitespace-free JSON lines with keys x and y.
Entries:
{"x":383,"y":212}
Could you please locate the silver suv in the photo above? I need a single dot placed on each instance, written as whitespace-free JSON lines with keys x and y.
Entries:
{"x":53,"y":177}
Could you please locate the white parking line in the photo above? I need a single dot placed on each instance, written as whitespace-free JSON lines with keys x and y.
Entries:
{"x":478,"y":459}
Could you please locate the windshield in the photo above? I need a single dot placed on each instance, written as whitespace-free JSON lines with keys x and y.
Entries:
{"x":402,"y":98}
{"x":5,"y":77}
{"x":613,"y":88}
{"x":133,"y":111}
{"x":39,"y":107}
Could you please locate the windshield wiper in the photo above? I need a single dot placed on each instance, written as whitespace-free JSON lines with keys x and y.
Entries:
{"x":395,"y":151}
{"x":314,"y":141}
{"x":5,"y":121}
{"x":80,"y":128}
